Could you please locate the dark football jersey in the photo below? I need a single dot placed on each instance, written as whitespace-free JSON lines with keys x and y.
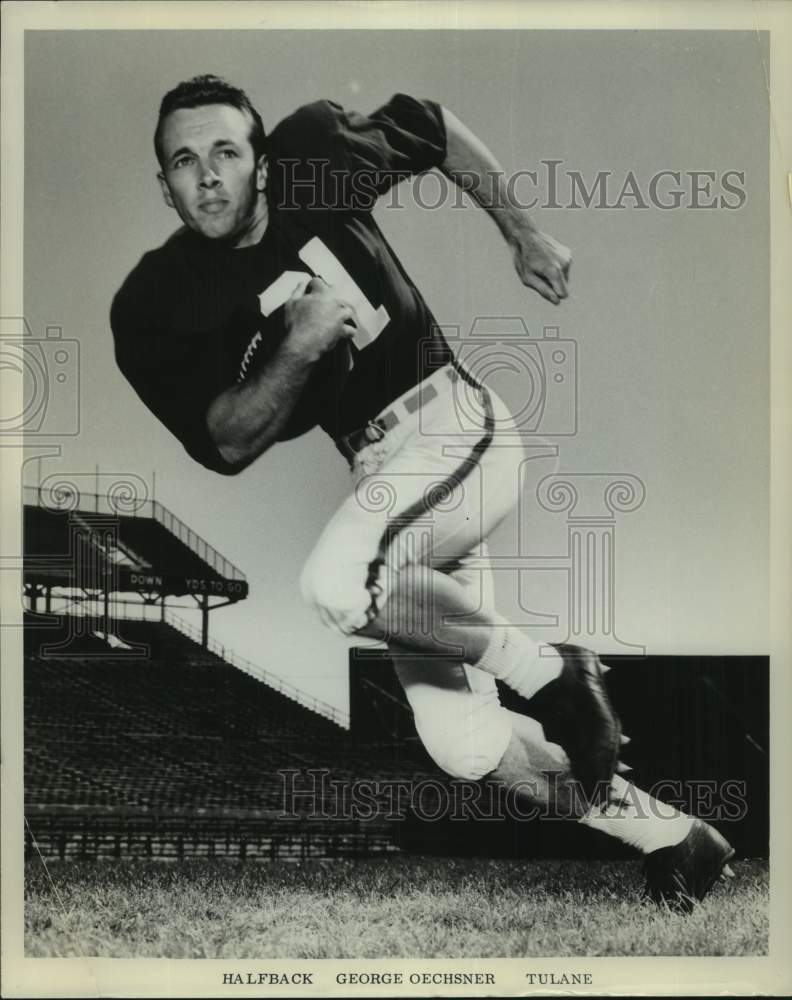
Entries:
{"x":196,"y":316}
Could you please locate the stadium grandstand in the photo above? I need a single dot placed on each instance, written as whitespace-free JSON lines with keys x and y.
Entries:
{"x":144,"y":737}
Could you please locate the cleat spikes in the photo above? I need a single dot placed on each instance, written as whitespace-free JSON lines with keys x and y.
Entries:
{"x":681,"y":875}
{"x":622,"y":768}
{"x":624,"y":740}
{"x":727,"y":873}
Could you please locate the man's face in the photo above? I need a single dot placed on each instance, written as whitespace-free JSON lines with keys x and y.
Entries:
{"x":210,"y":175}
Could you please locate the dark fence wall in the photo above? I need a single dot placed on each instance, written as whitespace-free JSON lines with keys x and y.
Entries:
{"x":699,"y":730}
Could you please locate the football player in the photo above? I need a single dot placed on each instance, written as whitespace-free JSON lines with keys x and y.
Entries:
{"x":279,"y":306}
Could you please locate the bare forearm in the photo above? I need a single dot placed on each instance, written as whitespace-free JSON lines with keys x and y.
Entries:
{"x":245,"y":420}
{"x":542,"y":263}
{"x":471,"y":165}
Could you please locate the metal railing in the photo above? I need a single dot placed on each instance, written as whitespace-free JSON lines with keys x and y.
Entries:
{"x":114,"y":832}
{"x":260,"y":673}
{"x":66,"y":497}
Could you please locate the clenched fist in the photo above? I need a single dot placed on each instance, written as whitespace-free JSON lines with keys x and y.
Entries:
{"x":317,"y":319}
{"x":542,"y":263}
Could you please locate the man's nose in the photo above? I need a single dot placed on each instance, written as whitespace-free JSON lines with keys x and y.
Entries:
{"x":209,"y":178}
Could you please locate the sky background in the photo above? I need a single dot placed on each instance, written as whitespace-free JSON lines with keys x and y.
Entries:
{"x":669,"y":309}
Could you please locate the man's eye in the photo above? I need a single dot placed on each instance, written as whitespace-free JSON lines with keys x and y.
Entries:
{"x":228,"y":152}
{"x":183,"y":161}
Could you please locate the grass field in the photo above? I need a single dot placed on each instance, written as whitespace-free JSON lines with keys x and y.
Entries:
{"x":398,"y":906}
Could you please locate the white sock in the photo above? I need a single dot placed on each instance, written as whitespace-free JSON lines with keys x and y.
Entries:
{"x":525,"y":665}
{"x":638,"y":819}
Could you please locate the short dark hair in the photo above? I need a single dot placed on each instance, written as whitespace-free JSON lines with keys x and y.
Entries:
{"x":209,"y":89}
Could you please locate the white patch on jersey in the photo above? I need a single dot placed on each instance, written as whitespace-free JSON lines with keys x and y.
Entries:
{"x":281,"y":290}
{"x":324,"y":263}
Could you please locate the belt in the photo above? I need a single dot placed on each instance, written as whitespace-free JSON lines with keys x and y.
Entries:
{"x":400,"y":410}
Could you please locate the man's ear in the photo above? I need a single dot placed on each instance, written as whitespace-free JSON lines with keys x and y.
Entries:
{"x":165,"y":189}
{"x":261,"y":173}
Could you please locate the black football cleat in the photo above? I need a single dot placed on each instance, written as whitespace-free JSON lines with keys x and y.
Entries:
{"x":680,"y":876}
{"x":575,"y":713}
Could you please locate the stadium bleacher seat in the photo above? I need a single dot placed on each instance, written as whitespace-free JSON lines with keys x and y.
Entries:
{"x":179,"y":730}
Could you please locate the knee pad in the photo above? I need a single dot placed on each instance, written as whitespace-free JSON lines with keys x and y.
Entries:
{"x":468,"y":739}
{"x":338,"y":593}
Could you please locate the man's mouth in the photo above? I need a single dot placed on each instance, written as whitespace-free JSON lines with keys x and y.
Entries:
{"x":213,"y":207}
